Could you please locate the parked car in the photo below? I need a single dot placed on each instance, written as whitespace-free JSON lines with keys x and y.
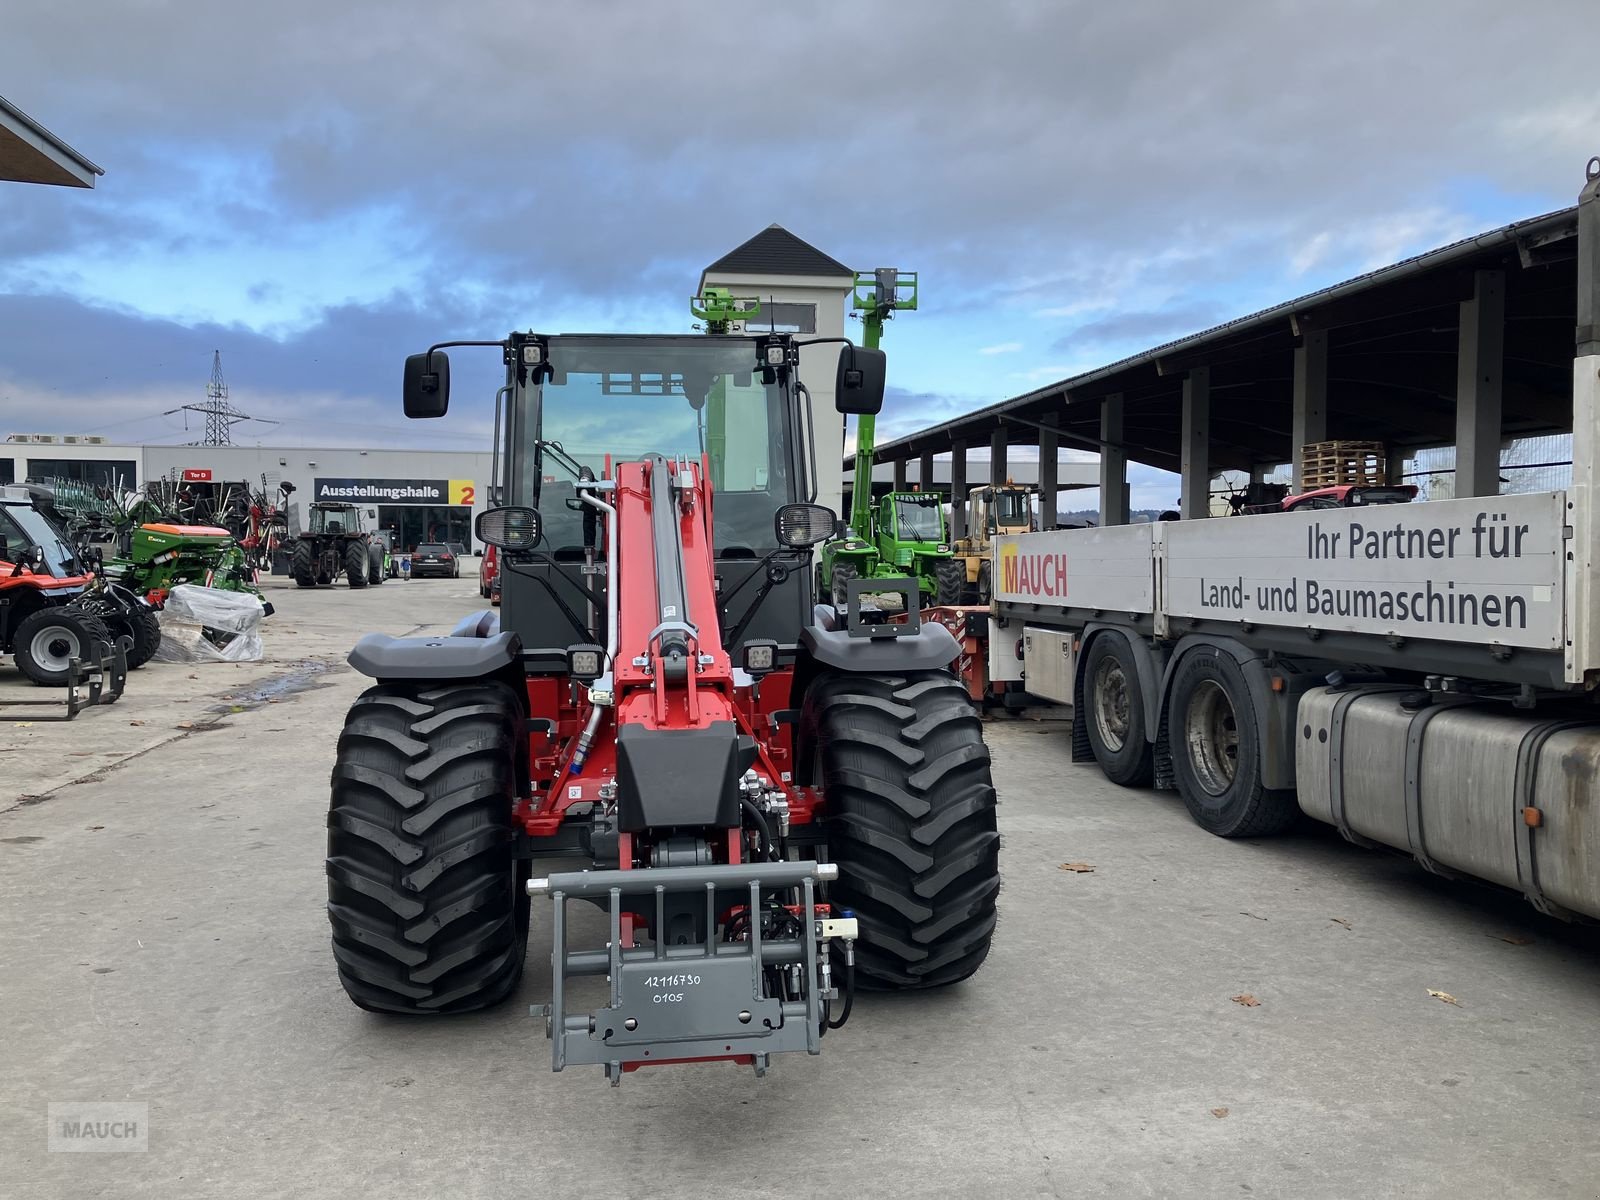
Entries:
{"x":488,"y":570}
{"x":435,"y":558}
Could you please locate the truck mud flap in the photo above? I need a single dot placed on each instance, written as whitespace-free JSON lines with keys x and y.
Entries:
{"x":685,"y":1002}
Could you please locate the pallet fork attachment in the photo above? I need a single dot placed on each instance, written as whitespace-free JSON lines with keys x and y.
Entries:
{"x":104,"y":681}
{"x":694,"y":1001}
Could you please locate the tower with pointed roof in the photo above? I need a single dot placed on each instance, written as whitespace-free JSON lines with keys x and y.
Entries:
{"x":805,"y":292}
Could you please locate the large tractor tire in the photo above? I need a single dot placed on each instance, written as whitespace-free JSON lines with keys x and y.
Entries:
{"x":985,"y":582}
{"x":146,"y":636}
{"x":910,"y":823}
{"x":303,"y":565}
{"x":142,"y":628}
{"x":429,"y":908}
{"x":375,"y":565}
{"x":843,"y":573}
{"x":1215,"y":741}
{"x":47,"y":641}
{"x":355,"y":565}
{"x":1113,"y":704}
{"x":949,"y":581}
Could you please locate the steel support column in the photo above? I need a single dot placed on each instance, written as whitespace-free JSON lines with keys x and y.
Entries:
{"x":1113,"y":463}
{"x":997,"y":456}
{"x":1395,"y":465}
{"x":900,"y":475}
{"x":1196,"y":456}
{"x":925,"y":471}
{"x":1310,"y":398}
{"x":1480,"y":376}
{"x":1049,"y":487}
{"x":958,"y":492}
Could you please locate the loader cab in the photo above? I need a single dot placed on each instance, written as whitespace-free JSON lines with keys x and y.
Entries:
{"x":599,"y":400}
{"x":1009,"y":511}
{"x":334,"y":519}
{"x":909,"y":523}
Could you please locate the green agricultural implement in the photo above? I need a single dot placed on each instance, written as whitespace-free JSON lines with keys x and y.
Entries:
{"x":904,"y":535}
{"x":136,"y":543}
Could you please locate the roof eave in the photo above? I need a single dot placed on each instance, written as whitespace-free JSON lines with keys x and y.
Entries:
{"x":68,"y":168}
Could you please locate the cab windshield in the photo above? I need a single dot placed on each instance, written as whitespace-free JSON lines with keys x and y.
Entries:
{"x":23,"y":527}
{"x":918,"y":520}
{"x":626,"y":398}
{"x":1011,"y":508}
{"x":333,"y":520}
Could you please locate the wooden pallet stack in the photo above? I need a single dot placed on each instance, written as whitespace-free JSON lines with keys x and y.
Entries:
{"x":1337,"y":463}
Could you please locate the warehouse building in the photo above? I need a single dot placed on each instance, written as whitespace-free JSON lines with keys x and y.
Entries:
{"x":418,"y":495}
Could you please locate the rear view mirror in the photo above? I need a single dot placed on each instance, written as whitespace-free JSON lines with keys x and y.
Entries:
{"x":427,"y":384}
{"x":858,"y":389}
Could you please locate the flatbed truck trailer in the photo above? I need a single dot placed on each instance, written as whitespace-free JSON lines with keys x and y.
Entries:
{"x":1421,"y":676}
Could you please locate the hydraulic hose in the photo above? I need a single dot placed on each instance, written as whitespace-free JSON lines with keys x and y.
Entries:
{"x":613,"y":636}
{"x":849,"y":989}
{"x":760,"y":819}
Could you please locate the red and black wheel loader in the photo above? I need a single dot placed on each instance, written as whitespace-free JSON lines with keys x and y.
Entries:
{"x":774,"y":803}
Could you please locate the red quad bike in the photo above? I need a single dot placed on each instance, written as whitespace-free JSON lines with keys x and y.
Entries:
{"x":771,"y":802}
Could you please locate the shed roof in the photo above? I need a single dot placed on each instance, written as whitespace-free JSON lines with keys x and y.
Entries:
{"x":1392,"y":361}
{"x":30,"y":153}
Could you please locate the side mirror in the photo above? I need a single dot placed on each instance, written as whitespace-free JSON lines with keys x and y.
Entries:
{"x":799,"y":526}
{"x":509,"y":528}
{"x":858,"y":389}
{"x":427,"y":384}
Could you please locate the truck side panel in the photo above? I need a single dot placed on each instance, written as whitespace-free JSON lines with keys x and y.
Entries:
{"x":1109,"y":569}
{"x":1487,"y":571}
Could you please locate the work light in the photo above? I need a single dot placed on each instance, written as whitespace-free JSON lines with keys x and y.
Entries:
{"x":585,"y":663}
{"x":801,"y":525}
{"x":759,"y":657}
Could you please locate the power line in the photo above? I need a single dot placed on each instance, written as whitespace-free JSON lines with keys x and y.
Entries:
{"x":220,"y":416}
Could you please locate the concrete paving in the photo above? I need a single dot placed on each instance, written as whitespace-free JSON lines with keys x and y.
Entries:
{"x":163,"y":940}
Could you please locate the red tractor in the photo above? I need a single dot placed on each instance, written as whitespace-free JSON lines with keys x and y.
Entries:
{"x":775,"y":803}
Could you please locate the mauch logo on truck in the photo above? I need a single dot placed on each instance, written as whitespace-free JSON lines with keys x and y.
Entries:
{"x":1033,"y":574}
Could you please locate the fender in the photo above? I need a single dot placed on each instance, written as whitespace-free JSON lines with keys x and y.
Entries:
{"x":1275,"y":708}
{"x":824,"y":648}
{"x":482,"y":624}
{"x":930,"y":648}
{"x":379,"y":656}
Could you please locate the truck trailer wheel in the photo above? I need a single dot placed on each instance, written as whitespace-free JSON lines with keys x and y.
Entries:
{"x":47,"y":641}
{"x":1114,"y":712}
{"x":303,"y":565}
{"x":355,"y":565}
{"x":1216,"y":759}
{"x":428,"y":906}
{"x":910,"y":823}
{"x":949,"y":581}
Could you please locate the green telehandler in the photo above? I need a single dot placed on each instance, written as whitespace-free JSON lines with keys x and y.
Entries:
{"x":904,"y":535}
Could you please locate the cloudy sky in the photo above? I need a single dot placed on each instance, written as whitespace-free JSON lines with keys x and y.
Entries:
{"x":317,"y":189}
